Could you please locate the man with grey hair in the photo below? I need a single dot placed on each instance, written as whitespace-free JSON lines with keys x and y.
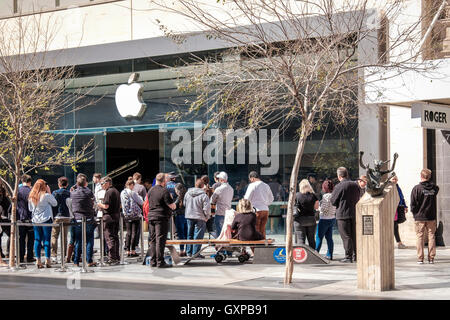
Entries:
{"x":222,"y":198}
{"x":344,"y":197}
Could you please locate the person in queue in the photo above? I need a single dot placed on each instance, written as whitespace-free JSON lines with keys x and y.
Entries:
{"x":221,"y":198}
{"x":198,"y":211}
{"x":111,"y":217}
{"x":26,"y":233}
{"x":60,"y":214}
{"x":306,"y":203}
{"x":327,"y":219}
{"x":83,"y":207}
{"x":132,"y":211}
{"x":160,"y":210}
{"x":40,"y":203}
{"x":180,"y":219}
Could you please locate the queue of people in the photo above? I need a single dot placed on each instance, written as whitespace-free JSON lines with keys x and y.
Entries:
{"x":318,"y":209}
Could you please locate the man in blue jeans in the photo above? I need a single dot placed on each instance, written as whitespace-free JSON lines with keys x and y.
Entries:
{"x":83,"y":206}
{"x":222,"y":198}
{"x":198,"y":211}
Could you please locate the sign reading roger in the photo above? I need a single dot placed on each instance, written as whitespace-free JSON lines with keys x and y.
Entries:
{"x":433,"y":116}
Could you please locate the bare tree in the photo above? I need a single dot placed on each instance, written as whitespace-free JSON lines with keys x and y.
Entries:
{"x":32,"y":101}
{"x":292,"y":62}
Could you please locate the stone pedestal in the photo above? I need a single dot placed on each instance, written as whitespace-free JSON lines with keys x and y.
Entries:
{"x":375,"y":240}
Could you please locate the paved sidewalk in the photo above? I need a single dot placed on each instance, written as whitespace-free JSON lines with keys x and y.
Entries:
{"x":332,"y":281}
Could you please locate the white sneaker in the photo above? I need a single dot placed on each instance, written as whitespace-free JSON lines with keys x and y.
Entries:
{"x":401,"y":246}
{"x":54,"y":259}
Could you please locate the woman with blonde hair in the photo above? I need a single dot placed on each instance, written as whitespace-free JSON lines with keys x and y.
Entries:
{"x":40,"y":203}
{"x":244,"y":223}
{"x":306,"y":203}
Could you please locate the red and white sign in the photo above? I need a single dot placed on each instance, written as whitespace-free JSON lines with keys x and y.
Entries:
{"x":300,"y":255}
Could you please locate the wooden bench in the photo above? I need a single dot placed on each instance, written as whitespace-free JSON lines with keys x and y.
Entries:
{"x":170,"y":244}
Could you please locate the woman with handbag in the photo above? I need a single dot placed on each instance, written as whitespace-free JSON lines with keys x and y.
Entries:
{"x":306,"y":204}
{"x":400,"y":214}
{"x":131,"y":207}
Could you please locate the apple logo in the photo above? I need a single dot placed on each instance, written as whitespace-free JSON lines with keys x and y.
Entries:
{"x":129,"y":98}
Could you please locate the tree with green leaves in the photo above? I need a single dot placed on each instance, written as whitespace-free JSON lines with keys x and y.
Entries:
{"x":32,"y":101}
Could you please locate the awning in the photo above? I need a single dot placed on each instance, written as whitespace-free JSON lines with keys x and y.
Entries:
{"x":132,"y":128}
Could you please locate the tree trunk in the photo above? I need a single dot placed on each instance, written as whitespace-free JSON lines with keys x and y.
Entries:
{"x":12,"y":235}
{"x":290,"y":208}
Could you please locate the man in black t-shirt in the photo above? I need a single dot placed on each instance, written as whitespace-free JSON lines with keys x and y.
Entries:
{"x":111,"y":216}
{"x":160,"y":210}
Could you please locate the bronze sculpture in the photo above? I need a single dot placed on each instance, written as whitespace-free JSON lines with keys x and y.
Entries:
{"x":374,"y":185}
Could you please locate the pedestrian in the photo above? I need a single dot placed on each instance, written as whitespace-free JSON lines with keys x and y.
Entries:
{"x":99,"y":194}
{"x":198,"y":211}
{"x":160,"y":211}
{"x":40,"y":203}
{"x":216,"y":181}
{"x":306,"y":203}
{"x":362,"y":183}
{"x":210,"y":225}
{"x":26,"y":233}
{"x":221,"y":198}
{"x":132,"y":212}
{"x":60,"y":215}
{"x":400,"y":214}
{"x":244,"y":223}
{"x":344,"y":197}
{"x":147,"y":184}
{"x":260,"y":196}
{"x":142,"y":192}
{"x":315,"y":185}
{"x":180,"y":219}
{"x":83,"y":207}
{"x":170,"y":185}
{"x":5,"y":216}
{"x":327,"y":219}
{"x":423,"y":208}
{"x":111,"y":216}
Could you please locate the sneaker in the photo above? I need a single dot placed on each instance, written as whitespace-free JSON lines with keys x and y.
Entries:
{"x":420,"y":262}
{"x":113,"y":262}
{"x":54,"y":260}
{"x":431,"y":261}
{"x":165,"y":265}
{"x":401,"y":246}
{"x":346,"y":260}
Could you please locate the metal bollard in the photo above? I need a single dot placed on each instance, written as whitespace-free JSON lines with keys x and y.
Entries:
{"x":121,"y":242}
{"x":141,"y":258}
{"x":102,"y":244}
{"x":17,"y":265}
{"x":63,"y":267}
{"x":84,"y":268}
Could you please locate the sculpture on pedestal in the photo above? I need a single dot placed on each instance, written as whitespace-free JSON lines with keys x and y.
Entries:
{"x":374,"y":185}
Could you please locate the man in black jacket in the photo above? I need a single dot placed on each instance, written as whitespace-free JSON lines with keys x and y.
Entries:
{"x":344,"y":198}
{"x":423,"y":208}
{"x":26,"y":233}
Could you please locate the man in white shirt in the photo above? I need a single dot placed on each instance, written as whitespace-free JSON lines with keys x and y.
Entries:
{"x":260,"y":196}
{"x":222,"y":198}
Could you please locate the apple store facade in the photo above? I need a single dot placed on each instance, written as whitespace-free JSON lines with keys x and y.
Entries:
{"x":124,"y":145}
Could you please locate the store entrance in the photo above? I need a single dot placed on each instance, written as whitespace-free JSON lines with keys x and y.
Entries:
{"x":132,"y":152}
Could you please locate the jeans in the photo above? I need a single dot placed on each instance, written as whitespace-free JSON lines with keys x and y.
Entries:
{"x":132,"y":232}
{"x":195,"y":230}
{"x":26,"y":239}
{"x":325,"y":228}
{"x":181,"y":225}
{"x":77,"y":230}
{"x":302,"y":232}
{"x":42,"y":236}
{"x":218,"y":223}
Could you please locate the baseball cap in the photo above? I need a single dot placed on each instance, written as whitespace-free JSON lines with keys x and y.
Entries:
{"x":222,"y":175}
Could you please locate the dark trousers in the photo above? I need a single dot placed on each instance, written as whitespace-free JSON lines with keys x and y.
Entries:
{"x":347,"y":230}
{"x":305,"y":232}
{"x":158,"y":236}
{"x":137,"y":238}
{"x":396,"y":233}
{"x":133,"y":227}
{"x":112,"y":239}
{"x":26,"y":238}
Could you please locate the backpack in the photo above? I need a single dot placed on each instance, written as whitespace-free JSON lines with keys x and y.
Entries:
{"x":131,"y":209}
{"x":146,"y":208}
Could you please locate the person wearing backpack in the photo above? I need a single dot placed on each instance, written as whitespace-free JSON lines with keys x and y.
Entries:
{"x":132,"y":212}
